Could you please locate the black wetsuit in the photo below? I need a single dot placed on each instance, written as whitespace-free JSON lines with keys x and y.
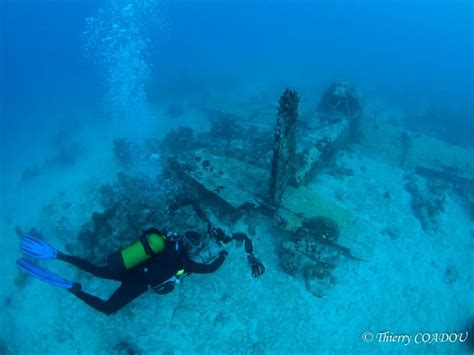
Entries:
{"x":150,"y":274}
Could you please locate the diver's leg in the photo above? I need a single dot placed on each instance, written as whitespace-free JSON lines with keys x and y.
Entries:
{"x":127,"y":292}
{"x":100,"y":271}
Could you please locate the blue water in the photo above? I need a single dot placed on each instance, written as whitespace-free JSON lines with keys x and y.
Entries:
{"x":77,"y":74}
{"x":409,"y":52}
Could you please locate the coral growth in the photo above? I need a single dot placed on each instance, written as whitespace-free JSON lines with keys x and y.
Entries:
{"x":322,"y":227}
{"x":290,"y":260}
{"x":132,"y":205}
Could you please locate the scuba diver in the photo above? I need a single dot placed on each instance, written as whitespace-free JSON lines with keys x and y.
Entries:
{"x":156,"y":261}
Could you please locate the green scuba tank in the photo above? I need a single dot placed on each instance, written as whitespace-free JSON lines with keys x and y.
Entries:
{"x":137,"y":252}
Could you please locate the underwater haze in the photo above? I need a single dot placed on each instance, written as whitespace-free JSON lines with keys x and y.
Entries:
{"x":355,"y":185}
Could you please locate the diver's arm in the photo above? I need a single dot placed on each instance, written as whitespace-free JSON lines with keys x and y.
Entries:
{"x":200,"y":268}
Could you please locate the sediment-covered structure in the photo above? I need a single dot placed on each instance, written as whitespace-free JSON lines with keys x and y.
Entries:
{"x":249,"y":168}
{"x":284,"y":148}
{"x":247,"y":165}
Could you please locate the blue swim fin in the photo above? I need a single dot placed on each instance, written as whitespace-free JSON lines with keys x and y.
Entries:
{"x":43,"y":274}
{"x":37,"y":248}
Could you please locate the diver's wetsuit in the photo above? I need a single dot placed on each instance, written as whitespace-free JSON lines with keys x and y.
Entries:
{"x":152,"y":273}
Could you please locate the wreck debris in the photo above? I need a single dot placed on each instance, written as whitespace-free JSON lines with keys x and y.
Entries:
{"x":303,"y":207}
{"x":307,"y":257}
{"x":323,"y":227}
{"x":318,"y":243}
{"x":230,"y":166}
{"x":316,"y":148}
{"x":339,"y":102}
{"x":284,"y":149}
{"x":428,"y":202}
{"x":249,"y":143}
{"x":417,"y":151}
{"x":238,"y":184}
{"x":339,"y":114}
{"x":426,"y":156}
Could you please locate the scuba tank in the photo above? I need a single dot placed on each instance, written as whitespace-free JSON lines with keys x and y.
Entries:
{"x":152,"y":242}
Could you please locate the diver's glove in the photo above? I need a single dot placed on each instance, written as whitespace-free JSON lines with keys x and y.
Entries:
{"x":218,"y":234}
{"x":76,"y":288}
{"x":223,"y":253}
{"x":257,"y":267}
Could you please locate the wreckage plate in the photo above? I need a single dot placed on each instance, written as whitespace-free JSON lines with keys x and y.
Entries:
{"x":305,"y":202}
{"x":238,"y":184}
